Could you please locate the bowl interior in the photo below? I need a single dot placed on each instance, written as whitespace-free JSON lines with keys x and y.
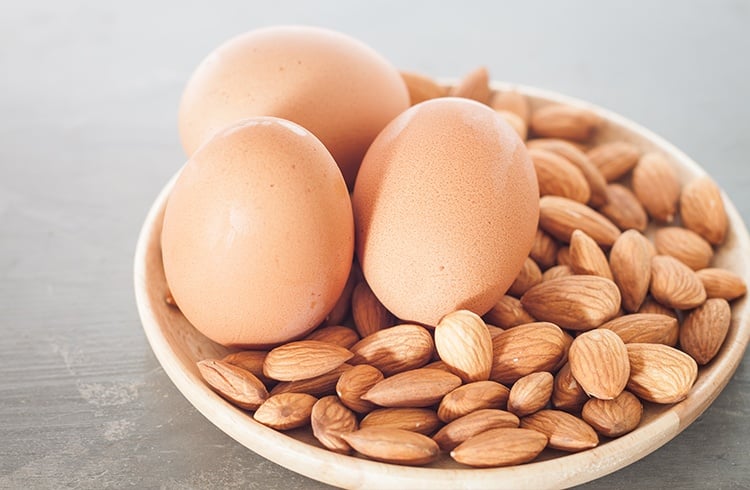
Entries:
{"x":178,"y":346}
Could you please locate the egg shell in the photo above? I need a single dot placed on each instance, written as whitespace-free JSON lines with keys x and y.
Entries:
{"x":446,"y":206}
{"x":258,"y":234}
{"x":340,"y":89}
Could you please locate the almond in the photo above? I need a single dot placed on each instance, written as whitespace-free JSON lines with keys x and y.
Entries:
{"x":526,"y":349}
{"x":369,"y":314}
{"x":674,"y":284}
{"x":438,"y":365}
{"x":614,"y":159}
{"x":650,"y":305}
{"x":465,"y":345}
{"x":304,"y":359}
{"x":475,"y":85}
{"x":471,"y":397}
{"x":507,"y":313}
{"x":529,"y":275}
{"x":494,"y":331}
{"x":573,"y":302}
{"x":500,"y":447}
{"x":239,"y":386}
{"x":597,"y":182}
{"x":354,"y":383}
{"x":335,"y":334}
{"x":512,"y":101}
{"x":544,"y":250}
{"x":415,"y":388}
{"x":557,"y":271}
{"x":702,"y":210}
{"x":659,"y":373}
{"x":421,"y":87}
{"x":343,"y":304}
{"x":515,"y":121}
{"x":395,"y":349}
{"x":422,"y":420}
{"x":657,"y":186}
{"x":599,"y":362}
{"x":563,"y":256}
{"x":565,"y":431}
{"x":586,"y":257}
{"x":250,"y":360}
{"x":704,"y":330}
{"x":530,"y":393}
{"x":613,"y":418}
{"x":329,"y":418}
{"x":564,"y":121}
{"x":568,"y":341}
{"x":560,"y":217}
{"x":624,"y":209}
{"x":567,"y":394}
{"x":558,"y":177}
{"x":325,"y":384}
{"x":459,"y":430}
{"x":685,"y":245}
{"x":630,"y":262}
{"x":721,"y":283}
{"x":651,"y":328}
{"x":286,"y":411}
{"x":393,"y":445}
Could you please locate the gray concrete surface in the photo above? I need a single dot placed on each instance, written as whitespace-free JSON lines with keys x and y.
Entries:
{"x":88,"y":99}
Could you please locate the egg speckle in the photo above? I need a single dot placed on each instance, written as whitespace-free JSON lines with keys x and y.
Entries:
{"x":258,"y":235}
{"x":446,"y":206}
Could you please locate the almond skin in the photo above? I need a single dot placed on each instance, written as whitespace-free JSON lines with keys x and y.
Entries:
{"x":544,"y":250}
{"x":422,"y":420}
{"x":369,"y":313}
{"x":567,"y":394}
{"x":614,"y":159}
{"x":465,"y":345}
{"x":624,"y":209}
{"x":325,"y":384}
{"x":586,"y":257}
{"x":507,"y":313}
{"x":630,"y":263}
{"x":558,"y":177}
{"x":471,"y":397}
{"x":286,"y":411}
{"x":459,"y":430}
{"x":597,"y":182}
{"x":560,"y":217}
{"x":329,"y":418}
{"x":557,"y":271}
{"x":565,"y":431}
{"x":354,"y":383}
{"x":703,"y":332}
{"x":526,"y":349}
{"x":415,"y":388}
{"x":613,"y":418}
{"x":574,"y":302}
{"x":564,"y":121}
{"x":530,"y":393}
{"x":659,"y":373}
{"x":304,"y":359}
{"x":650,"y":305}
{"x":702,"y":210}
{"x":685,"y":245}
{"x":250,"y":360}
{"x":651,"y":328}
{"x":599,"y":362}
{"x":721,"y":283}
{"x":513,"y":101}
{"x":335,"y":334}
{"x":515,"y":121}
{"x":421,"y":87}
{"x":395,"y":349}
{"x":475,"y":85}
{"x":530,"y":275}
{"x":657,"y":186}
{"x":239,"y":386}
{"x":674,"y":284}
{"x":500,"y":447}
{"x":393,"y":445}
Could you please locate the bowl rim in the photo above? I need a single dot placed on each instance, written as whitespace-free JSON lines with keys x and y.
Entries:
{"x":352,"y":472}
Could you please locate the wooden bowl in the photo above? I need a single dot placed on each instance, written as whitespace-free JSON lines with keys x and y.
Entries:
{"x":178,"y":346}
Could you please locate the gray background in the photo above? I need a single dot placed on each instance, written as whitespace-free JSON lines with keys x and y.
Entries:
{"x":88,"y":100}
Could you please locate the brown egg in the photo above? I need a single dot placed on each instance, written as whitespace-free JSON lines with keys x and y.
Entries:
{"x":333,"y":85}
{"x":446,"y":206}
{"x":258,"y":234}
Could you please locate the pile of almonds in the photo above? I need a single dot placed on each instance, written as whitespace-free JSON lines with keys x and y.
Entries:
{"x":600,"y":319}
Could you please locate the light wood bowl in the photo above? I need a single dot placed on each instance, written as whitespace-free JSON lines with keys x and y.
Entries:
{"x":178,"y":346}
